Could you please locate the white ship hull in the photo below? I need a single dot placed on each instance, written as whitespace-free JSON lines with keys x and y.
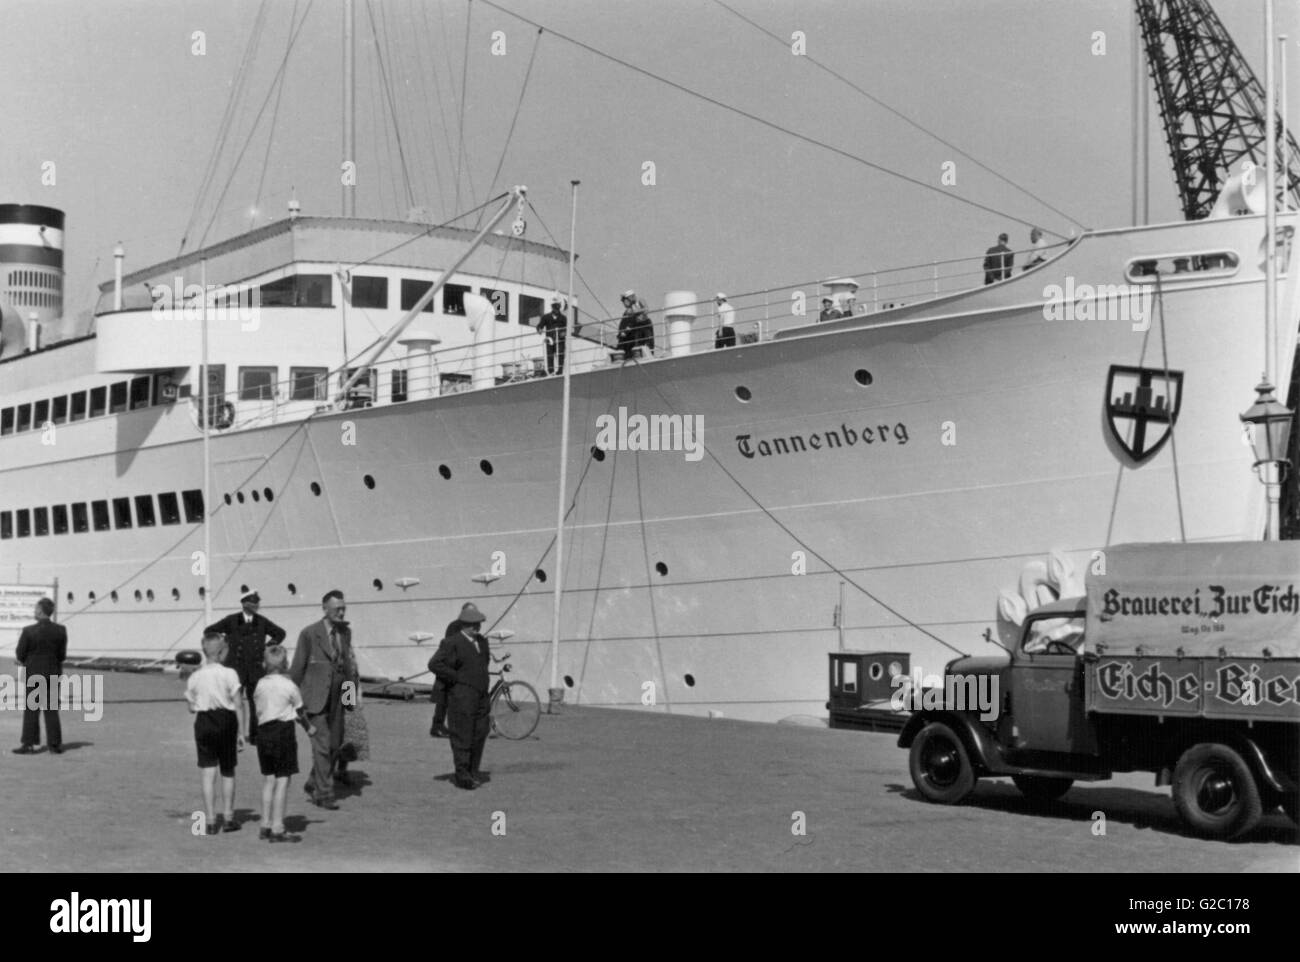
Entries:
{"x":990,"y":447}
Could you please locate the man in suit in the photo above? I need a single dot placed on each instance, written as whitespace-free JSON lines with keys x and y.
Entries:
{"x":42,"y":647}
{"x":439,"y":729}
{"x":324,"y":670}
{"x":247,"y":634}
{"x":462,"y":663}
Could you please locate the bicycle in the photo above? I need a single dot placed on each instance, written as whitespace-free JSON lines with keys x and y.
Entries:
{"x":513,"y":706}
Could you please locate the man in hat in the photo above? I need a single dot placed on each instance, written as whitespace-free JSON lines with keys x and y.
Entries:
{"x":636,"y":330}
{"x":439,"y":729}
{"x":829,"y":313}
{"x":998,"y":261}
{"x":554,"y":326}
{"x":462,"y":663}
{"x":724,"y":330}
{"x":247,"y":635}
{"x":324,"y":670}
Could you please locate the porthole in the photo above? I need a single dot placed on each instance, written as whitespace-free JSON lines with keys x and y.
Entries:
{"x":598,"y":453}
{"x":539,"y":574}
{"x":690,"y":681}
{"x":138,"y":595}
{"x":69,"y":597}
{"x":379,"y":585}
{"x":91,"y":596}
{"x":485,"y":466}
{"x":256,"y":496}
{"x":148,"y":594}
{"x":113,"y":595}
{"x":293,"y":588}
{"x":176,"y":594}
{"x":568,"y":681}
{"x":243,"y":590}
{"x":876,"y":671}
{"x":315,"y":489}
{"x":203,"y":592}
{"x":239,"y":496}
{"x":863,"y":376}
{"x":743,"y":393}
{"x":444,"y":471}
{"x":661,"y":568}
{"x":229,"y":500}
{"x":266,"y":493}
{"x":369,"y":482}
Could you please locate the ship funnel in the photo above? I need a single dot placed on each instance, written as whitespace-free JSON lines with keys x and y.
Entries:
{"x":31,"y":272}
{"x":679,"y":316}
{"x":1243,"y":194}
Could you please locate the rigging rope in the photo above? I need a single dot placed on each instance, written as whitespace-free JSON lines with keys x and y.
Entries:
{"x":901,"y":116}
{"x":270,"y":136}
{"x":1173,"y":438}
{"x":515,"y":119}
{"x":767,"y":123}
{"x":464,"y":95}
{"x":392,"y":108}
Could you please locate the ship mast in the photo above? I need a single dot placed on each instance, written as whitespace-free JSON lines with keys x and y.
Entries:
{"x":349,"y":107}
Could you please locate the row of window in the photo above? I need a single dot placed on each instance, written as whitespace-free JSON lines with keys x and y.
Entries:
{"x":106,"y":515}
{"x":316,"y":290}
{"x":26,"y":278}
{"x":35,"y":299}
{"x":96,"y":402}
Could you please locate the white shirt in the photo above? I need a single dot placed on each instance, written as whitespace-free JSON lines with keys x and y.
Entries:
{"x":726,"y":315}
{"x":277,"y":699}
{"x":213,"y":686}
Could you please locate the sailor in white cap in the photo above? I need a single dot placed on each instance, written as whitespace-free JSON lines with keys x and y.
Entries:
{"x":553,"y":326}
{"x":724,"y":330}
{"x":636,"y":330}
{"x":247,"y":633}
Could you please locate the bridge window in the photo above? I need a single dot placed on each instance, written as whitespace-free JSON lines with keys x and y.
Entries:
{"x":24,"y":417}
{"x":7,"y":421}
{"x":412,"y":291}
{"x":144,"y":515}
{"x":369,"y":291}
{"x":121,"y":513}
{"x":500,"y":301}
{"x":256,"y":383}
{"x":98,"y":401}
{"x":308,"y":383}
{"x":117,"y":398}
{"x":41,"y":519}
{"x":531,"y":309}
{"x":453,"y":298}
{"x":60,"y":515}
{"x":6,"y":525}
{"x":298,"y":290}
{"x":193,"y":501}
{"x":99,"y":514}
{"x":80,"y":519}
{"x":59,"y":414}
{"x":139,"y":392}
{"x":399,"y":386}
{"x":1144,"y":270}
{"x":169,"y":508}
{"x":24,"y":519}
{"x":40,"y":414}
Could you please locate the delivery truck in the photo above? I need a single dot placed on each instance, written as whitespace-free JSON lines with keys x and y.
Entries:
{"x":1182,"y":660}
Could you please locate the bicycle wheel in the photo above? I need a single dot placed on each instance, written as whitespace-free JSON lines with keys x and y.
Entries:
{"x":515,"y":710}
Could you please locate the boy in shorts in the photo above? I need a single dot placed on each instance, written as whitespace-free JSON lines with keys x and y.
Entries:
{"x":279,"y":704}
{"x":216,"y":698}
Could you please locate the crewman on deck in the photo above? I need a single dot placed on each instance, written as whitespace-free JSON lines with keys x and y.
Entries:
{"x":998,"y":261}
{"x":247,"y":635}
{"x":829,"y":313}
{"x":724,"y":328}
{"x":554,"y":327}
{"x":636,"y":330}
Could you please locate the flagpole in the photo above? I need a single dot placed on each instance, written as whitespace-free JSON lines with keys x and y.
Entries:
{"x":206,"y":415}
{"x":556,"y":693}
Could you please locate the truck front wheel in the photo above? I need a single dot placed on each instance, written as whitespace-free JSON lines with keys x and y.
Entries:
{"x":1215,"y":792}
{"x":941,"y":768}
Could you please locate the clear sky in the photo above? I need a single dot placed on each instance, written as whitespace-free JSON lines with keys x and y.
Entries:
{"x":115,"y":95}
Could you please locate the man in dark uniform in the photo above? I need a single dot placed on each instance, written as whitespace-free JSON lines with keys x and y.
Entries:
{"x":462,"y":663}
{"x":246,"y":640}
{"x":998,"y":261}
{"x":42,"y":647}
{"x":554,"y":326}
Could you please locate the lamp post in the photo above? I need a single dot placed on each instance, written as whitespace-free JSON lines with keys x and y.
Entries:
{"x":1270,"y":430}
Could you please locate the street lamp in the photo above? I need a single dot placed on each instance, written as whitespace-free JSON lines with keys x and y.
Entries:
{"x":1270,"y":430}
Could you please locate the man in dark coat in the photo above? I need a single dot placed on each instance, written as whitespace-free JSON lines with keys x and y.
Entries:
{"x":439,"y":729}
{"x":554,"y":326}
{"x":42,"y":647}
{"x":462,"y":662}
{"x":247,"y":635}
{"x":998,"y":261}
{"x":323,"y":669}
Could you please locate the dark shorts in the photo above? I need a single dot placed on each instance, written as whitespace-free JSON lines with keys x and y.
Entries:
{"x":277,"y":748}
{"x":216,"y":733}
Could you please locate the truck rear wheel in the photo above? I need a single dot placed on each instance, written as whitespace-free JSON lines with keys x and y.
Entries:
{"x":1040,"y":788}
{"x":1215,"y":792}
{"x":941,"y":768}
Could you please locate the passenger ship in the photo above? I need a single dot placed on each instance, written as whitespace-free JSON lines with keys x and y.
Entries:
{"x":872,"y":481}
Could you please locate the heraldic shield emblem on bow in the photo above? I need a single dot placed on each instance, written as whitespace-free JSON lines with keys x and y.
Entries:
{"x":1142,"y":406}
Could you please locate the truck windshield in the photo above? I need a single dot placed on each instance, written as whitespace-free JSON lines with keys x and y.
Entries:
{"x":1054,"y":634}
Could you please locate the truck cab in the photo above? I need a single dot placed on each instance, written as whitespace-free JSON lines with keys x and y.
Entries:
{"x":1150,"y":671}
